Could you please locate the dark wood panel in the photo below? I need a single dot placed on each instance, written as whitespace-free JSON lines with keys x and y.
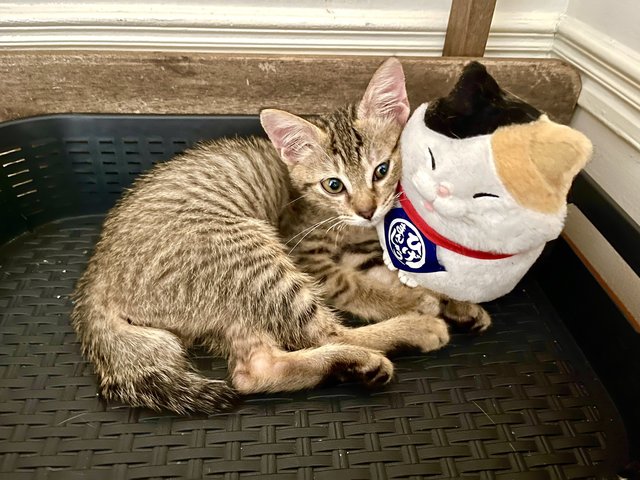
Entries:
{"x":34,"y":83}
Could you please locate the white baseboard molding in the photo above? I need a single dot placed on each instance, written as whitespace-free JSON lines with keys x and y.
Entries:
{"x":405,"y":29}
{"x":244,"y":41}
{"x":224,"y":40}
{"x":611,"y":76}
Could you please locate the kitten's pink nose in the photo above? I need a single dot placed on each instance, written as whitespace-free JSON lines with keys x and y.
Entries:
{"x":443,"y":191}
{"x":368,"y":214}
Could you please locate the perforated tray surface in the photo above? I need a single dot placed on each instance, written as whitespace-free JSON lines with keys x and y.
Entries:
{"x":517,"y":403}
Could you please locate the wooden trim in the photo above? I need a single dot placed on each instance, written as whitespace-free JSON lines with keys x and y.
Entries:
{"x":635,"y":323}
{"x":46,"y":82}
{"x":468,"y":28}
{"x":609,"y":218}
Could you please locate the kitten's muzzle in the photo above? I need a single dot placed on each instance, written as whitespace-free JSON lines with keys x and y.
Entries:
{"x":366,"y":214}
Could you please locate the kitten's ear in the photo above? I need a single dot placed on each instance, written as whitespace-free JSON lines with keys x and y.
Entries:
{"x":293,"y":137}
{"x":386,"y":95}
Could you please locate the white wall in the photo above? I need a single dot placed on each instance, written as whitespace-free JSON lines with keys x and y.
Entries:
{"x":618,"y":18}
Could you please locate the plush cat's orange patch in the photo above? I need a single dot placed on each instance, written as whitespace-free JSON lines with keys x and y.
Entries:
{"x":537,"y":161}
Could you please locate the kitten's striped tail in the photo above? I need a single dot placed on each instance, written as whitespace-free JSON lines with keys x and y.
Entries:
{"x":146,"y":367}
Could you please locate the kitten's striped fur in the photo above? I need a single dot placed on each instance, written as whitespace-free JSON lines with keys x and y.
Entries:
{"x":221,"y":246}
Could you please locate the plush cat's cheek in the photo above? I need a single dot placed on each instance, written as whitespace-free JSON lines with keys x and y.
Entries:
{"x":425,"y":186}
{"x":450,"y":207}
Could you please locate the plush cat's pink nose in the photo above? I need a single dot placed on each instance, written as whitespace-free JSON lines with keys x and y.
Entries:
{"x":443,"y":191}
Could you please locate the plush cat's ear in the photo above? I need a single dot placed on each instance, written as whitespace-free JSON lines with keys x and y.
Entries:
{"x":559,"y":152}
{"x":476,"y":106}
{"x":386,"y":95}
{"x":294,"y":138}
{"x":475,"y":83}
{"x":538,"y":161}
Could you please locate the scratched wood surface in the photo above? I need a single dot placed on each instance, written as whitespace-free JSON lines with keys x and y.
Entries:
{"x":36,"y":83}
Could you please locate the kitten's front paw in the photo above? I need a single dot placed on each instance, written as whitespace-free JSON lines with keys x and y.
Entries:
{"x":376,"y":370}
{"x":469,"y":316}
{"x":429,"y":304}
{"x":433,"y":335}
{"x":407,"y":279}
{"x":387,"y":261}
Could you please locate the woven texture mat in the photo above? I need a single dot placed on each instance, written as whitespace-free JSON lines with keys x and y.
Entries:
{"x":517,"y":403}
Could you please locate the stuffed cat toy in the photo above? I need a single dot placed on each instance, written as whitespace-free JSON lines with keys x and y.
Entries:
{"x":484,"y":185}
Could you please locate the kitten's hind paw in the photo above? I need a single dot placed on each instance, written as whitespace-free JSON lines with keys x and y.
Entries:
{"x":466,"y":316}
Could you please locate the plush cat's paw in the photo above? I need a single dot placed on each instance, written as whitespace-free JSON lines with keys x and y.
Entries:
{"x":407,"y":279}
{"x":387,"y":261}
{"x":468,"y":316}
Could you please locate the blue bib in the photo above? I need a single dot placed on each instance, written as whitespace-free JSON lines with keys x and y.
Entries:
{"x":408,"y":248}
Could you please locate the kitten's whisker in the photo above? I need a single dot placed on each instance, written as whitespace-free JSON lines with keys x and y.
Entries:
{"x":335,"y":240}
{"x":317,"y":225}
{"x":388,"y":203}
{"x":338,"y":222}
{"x":295,"y":200}
{"x":307,"y":229}
{"x":339,"y":226}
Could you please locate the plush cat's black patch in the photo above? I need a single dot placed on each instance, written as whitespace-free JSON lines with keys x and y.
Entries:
{"x":476,"y":106}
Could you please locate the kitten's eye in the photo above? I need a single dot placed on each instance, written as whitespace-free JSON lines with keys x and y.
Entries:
{"x":381,"y":171}
{"x":481,"y":194}
{"x":433,"y":160}
{"x":332,"y":185}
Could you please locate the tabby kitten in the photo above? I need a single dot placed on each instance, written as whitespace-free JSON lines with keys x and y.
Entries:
{"x":193,"y":254}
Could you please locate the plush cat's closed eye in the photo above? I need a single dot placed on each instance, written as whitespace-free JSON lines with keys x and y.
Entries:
{"x":482,"y":194}
{"x":433,"y":160}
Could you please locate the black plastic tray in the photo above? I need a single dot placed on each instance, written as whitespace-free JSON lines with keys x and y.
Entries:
{"x":520,"y":402}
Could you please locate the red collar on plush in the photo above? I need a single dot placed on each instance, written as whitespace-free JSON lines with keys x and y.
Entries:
{"x":438,"y":239}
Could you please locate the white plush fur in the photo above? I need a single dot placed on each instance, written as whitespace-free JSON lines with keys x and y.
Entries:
{"x":444,"y":199}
